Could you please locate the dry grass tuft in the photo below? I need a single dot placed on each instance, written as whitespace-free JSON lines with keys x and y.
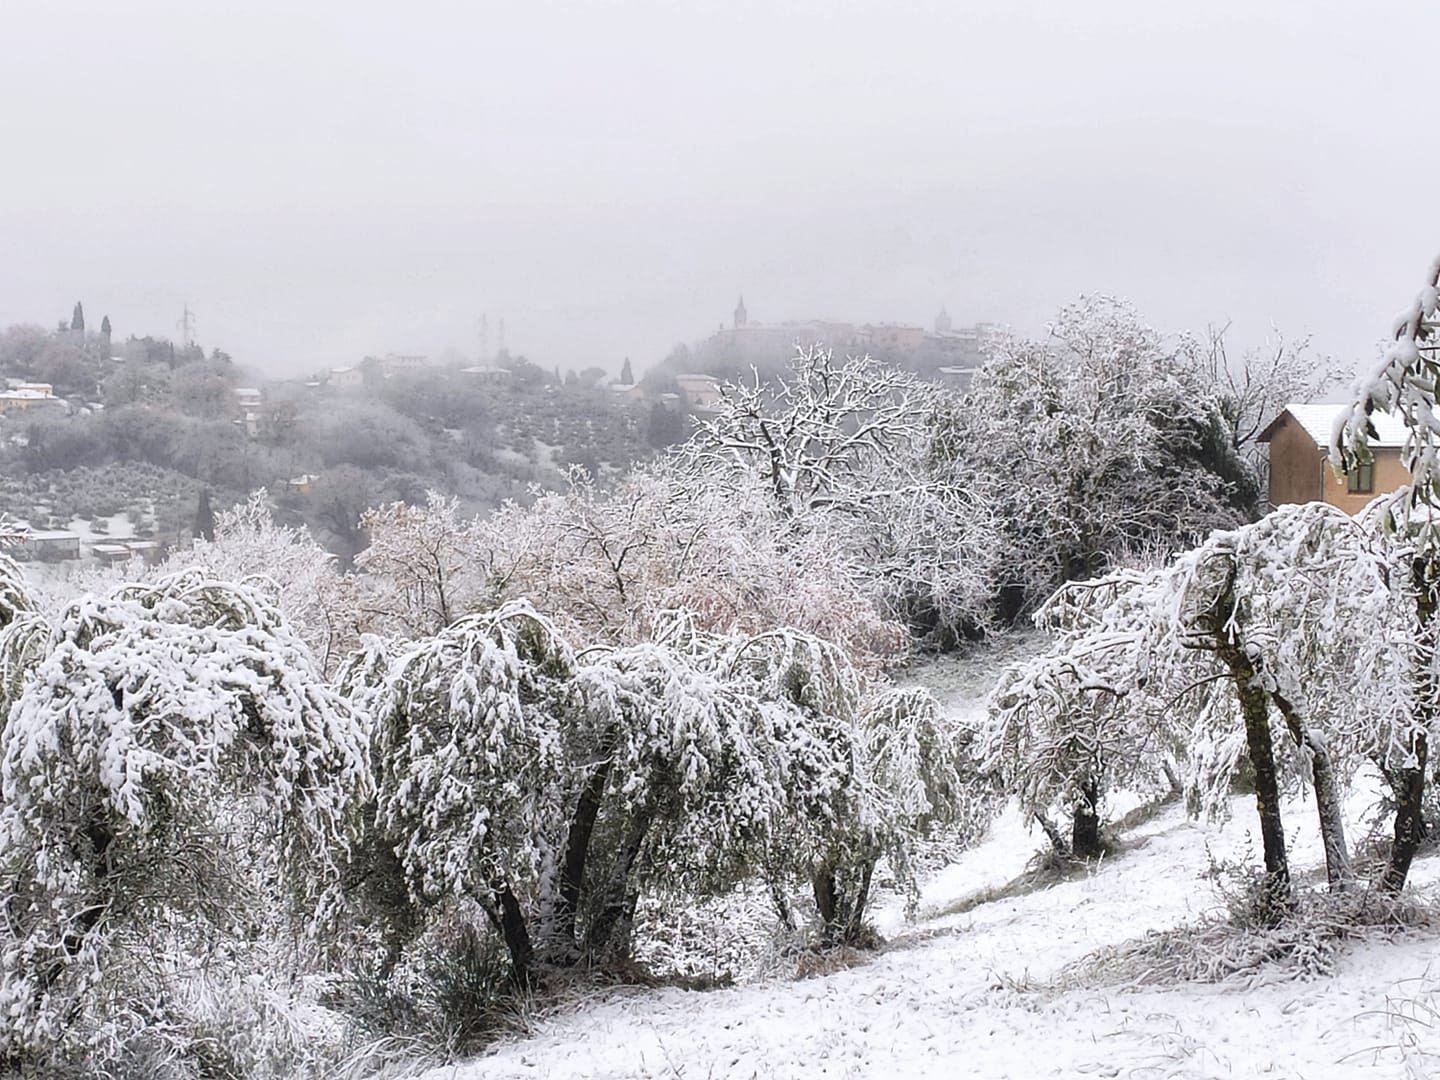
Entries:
{"x":1240,"y":950}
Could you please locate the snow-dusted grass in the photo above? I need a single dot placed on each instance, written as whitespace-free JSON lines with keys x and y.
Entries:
{"x":974,"y":993}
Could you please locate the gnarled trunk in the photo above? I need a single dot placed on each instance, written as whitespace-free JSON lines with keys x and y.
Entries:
{"x":1338,"y":872}
{"x":842,"y":911}
{"x":1085,"y":825}
{"x":610,"y":929}
{"x":508,"y":918}
{"x":572,"y":874}
{"x":1278,"y":897}
{"x":1409,"y":822}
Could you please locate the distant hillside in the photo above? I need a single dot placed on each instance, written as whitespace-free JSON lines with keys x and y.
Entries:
{"x":943,"y":353}
{"x":91,"y":428}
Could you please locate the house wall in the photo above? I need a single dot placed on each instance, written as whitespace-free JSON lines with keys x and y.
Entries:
{"x":1389,"y":475}
{"x":1297,"y":466}
{"x":1300,"y":472}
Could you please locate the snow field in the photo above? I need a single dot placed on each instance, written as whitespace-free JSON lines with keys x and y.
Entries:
{"x":963,"y":995}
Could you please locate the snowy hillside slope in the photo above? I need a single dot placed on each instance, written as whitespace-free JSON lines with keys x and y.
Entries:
{"x":967,"y":995}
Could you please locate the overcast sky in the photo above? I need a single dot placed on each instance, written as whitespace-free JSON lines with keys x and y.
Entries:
{"x":322,"y":179}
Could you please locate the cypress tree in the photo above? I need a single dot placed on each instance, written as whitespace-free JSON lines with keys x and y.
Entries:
{"x":205,"y":517}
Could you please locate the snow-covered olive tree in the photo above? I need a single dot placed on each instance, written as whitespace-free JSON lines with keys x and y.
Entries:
{"x":468,"y":757}
{"x":552,"y":787}
{"x":1404,"y":384}
{"x":160,"y":740}
{"x":869,"y":769}
{"x":1245,"y":645}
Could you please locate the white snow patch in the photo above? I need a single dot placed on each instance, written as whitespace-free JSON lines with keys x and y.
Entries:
{"x":950,"y":997}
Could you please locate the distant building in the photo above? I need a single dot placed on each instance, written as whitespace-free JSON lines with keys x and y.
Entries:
{"x":487,"y":372}
{"x":346,"y":377}
{"x":746,"y":341}
{"x":892,"y":335}
{"x":402,"y":363}
{"x":30,"y":402}
{"x":49,"y":546}
{"x":625,"y":391}
{"x":1300,"y":472}
{"x":249,"y":401}
{"x":151,"y":551}
{"x":110,"y":552}
{"x":699,"y":391}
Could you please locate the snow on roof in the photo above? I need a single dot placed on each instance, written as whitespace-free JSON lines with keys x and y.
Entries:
{"x":1318,"y":420}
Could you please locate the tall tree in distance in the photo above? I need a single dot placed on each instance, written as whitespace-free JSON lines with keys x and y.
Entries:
{"x":205,"y":517}
{"x":105,"y":331}
{"x":626,"y":375}
{"x":77,"y":320}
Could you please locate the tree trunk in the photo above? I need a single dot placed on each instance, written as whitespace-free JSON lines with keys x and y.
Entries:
{"x":1057,"y":838}
{"x":827,"y":903}
{"x":1409,"y":781}
{"x":516,"y":935}
{"x":1085,"y":824}
{"x":1255,"y":707}
{"x":1409,"y":822}
{"x":783,"y":910}
{"x":856,"y":922}
{"x":618,"y":908}
{"x":1338,"y":872}
{"x":577,"y":848}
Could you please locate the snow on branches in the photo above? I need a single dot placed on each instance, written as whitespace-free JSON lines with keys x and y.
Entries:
{"x":551,"y":786}
{"x":1286,"y":623}
{"x":1404,"y":384}
{"x":1103,"y":441}
{"x":847,"y":452}
{"x":467,"y":750}
{"x":286,"y":565}
{"x":150,"y":723}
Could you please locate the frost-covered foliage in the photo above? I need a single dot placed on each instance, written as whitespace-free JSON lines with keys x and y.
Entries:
{"x":553,"y":789}
{"x":468,"y":753}
{"x":1102,"y":440}
{"x":428,"y":563}
{"x":22,"y":632}
{"x":847,"y":527}
{"x":161,"y":738}
{"x":1288,"y":623}
{"x":288,"y":566}
{"x":1254,"y":390}
{"x":609,"y":564}
{"x":847,"y":452}
{"x":1404,"y":384}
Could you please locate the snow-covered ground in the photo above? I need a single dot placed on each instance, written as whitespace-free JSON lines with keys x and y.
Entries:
{"x":965,"y":995}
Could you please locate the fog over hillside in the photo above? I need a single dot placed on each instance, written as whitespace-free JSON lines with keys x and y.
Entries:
{"x":327,"y":181}
{"x":630,"y":538}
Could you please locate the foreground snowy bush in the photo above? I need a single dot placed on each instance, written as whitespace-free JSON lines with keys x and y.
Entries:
{"x":174,"y":766}
{"x":552,"y":788}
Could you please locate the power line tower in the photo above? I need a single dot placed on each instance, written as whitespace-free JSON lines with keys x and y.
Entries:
{"x":186,"y":326}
